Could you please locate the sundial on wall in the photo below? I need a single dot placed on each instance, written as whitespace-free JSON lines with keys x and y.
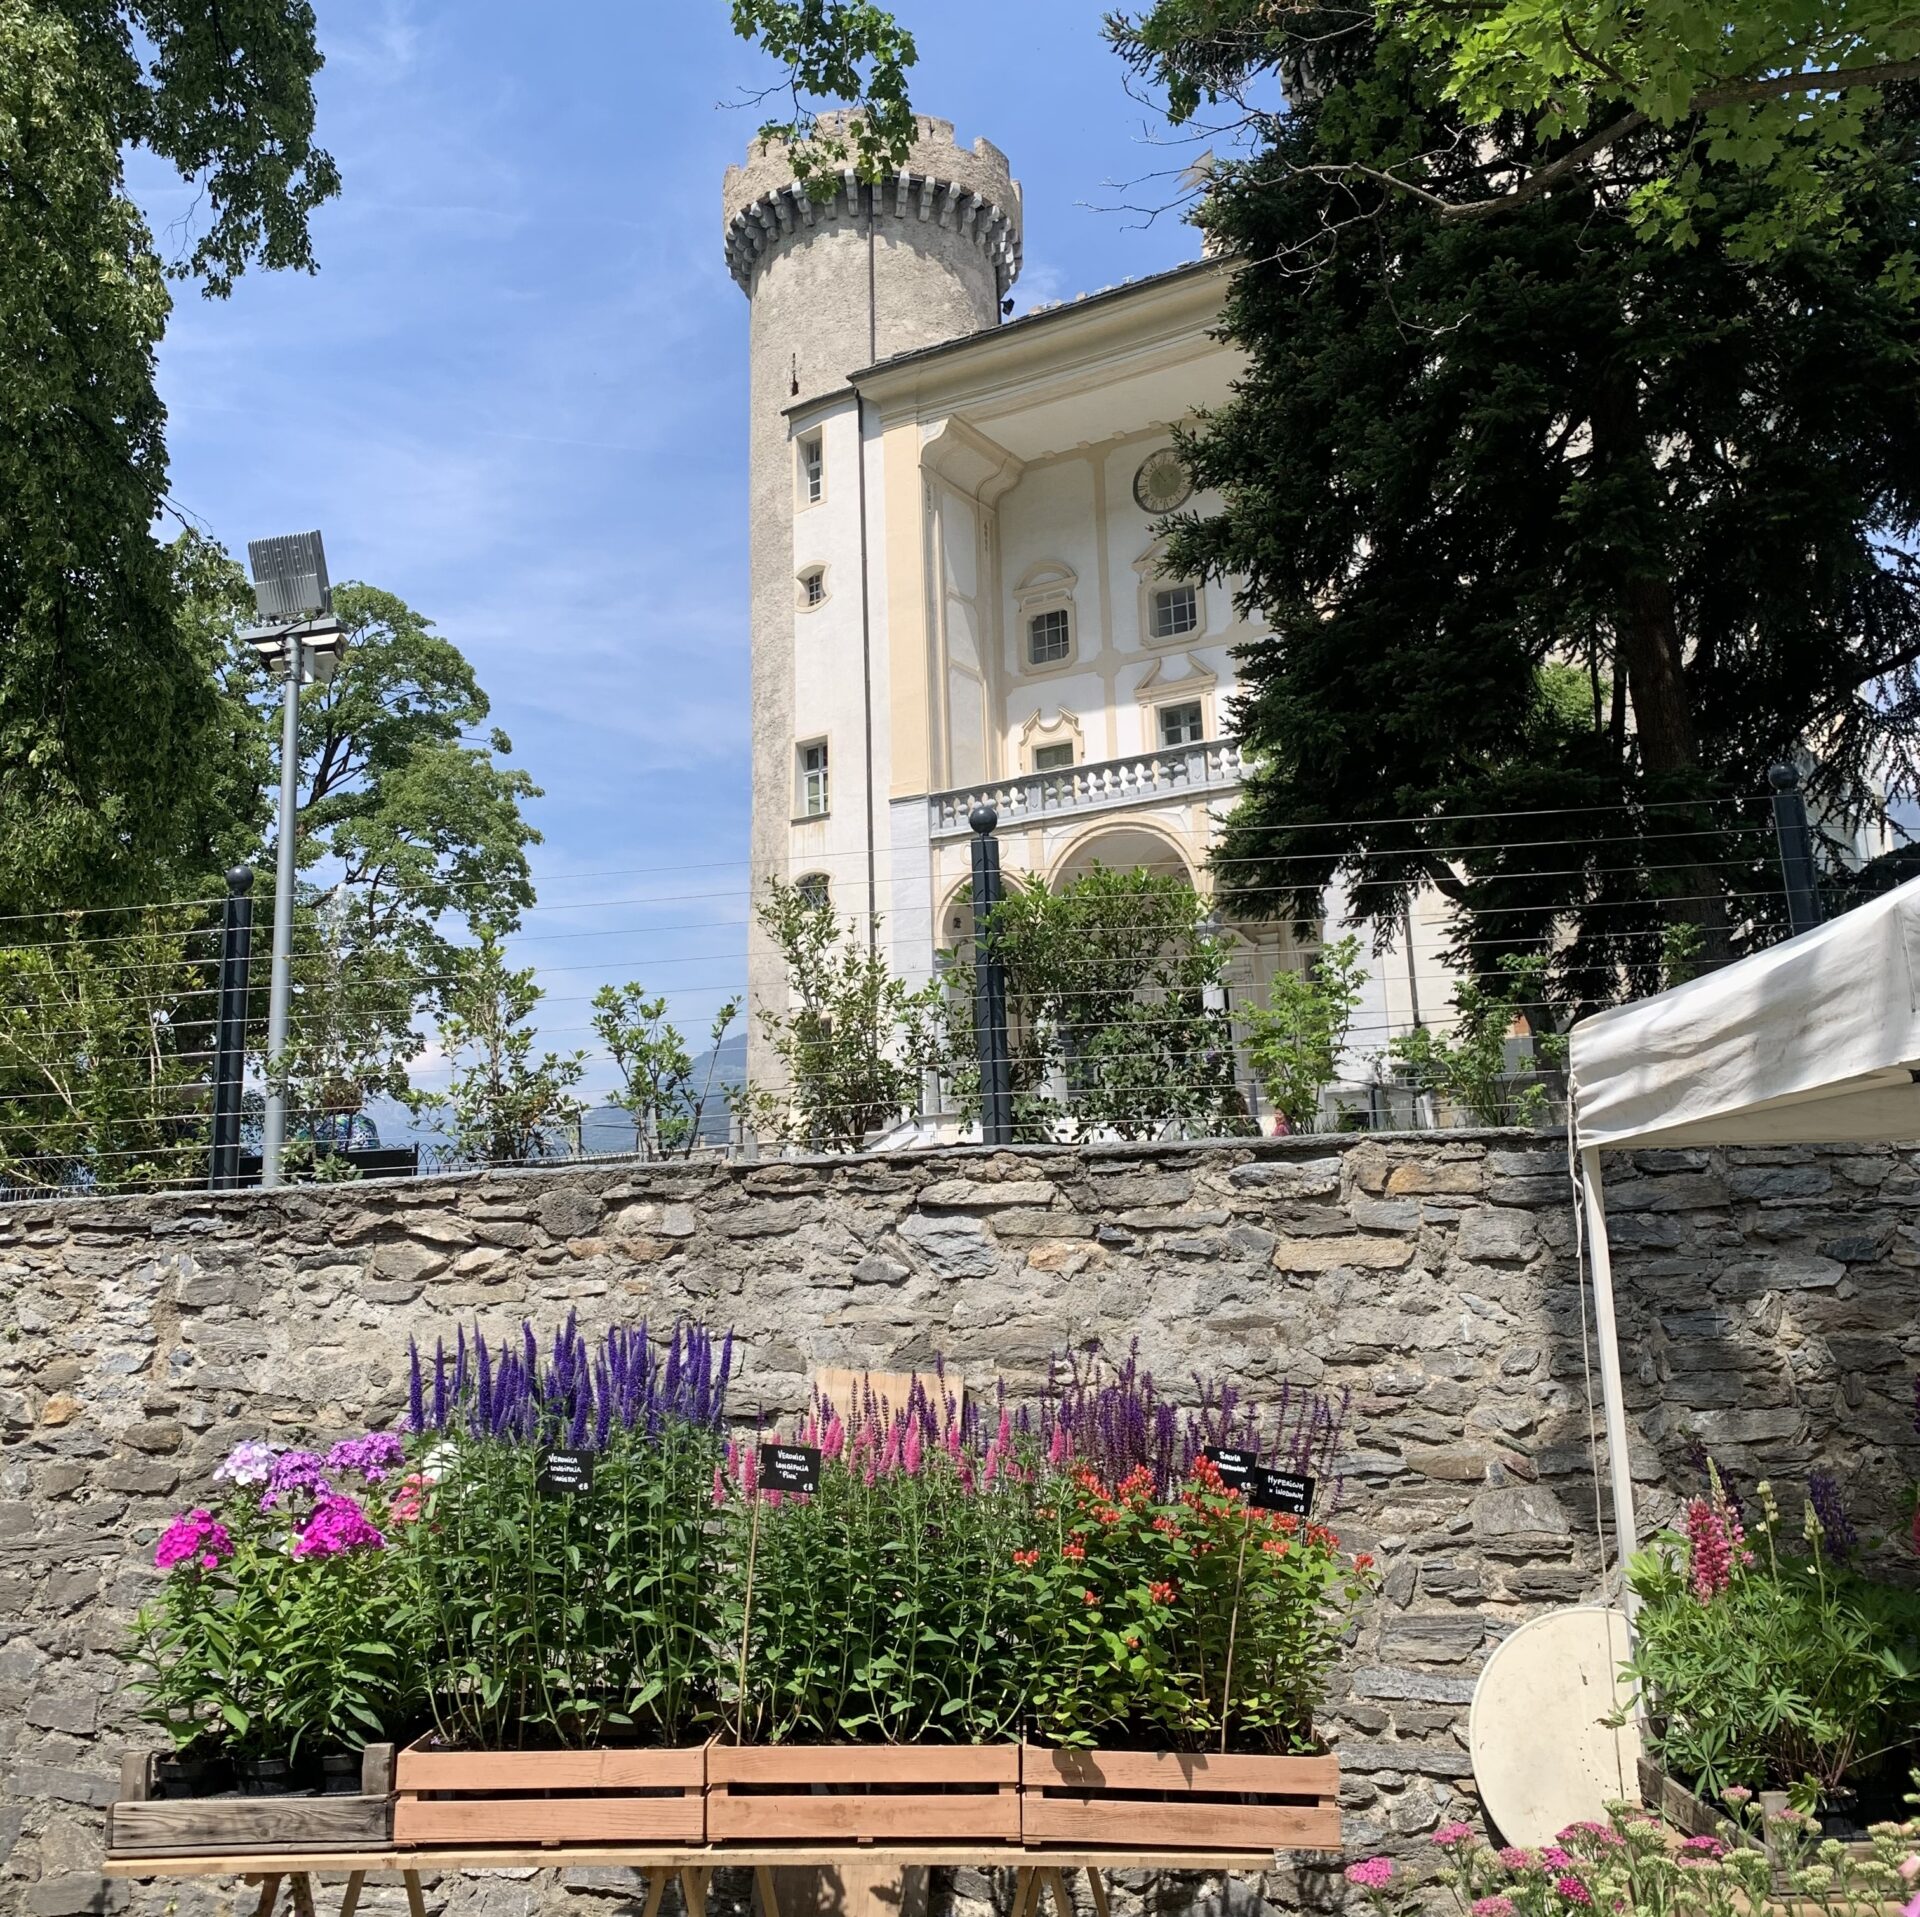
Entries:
{"x":1162,"y":483}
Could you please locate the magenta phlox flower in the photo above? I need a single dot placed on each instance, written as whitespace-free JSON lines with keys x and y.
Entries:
{"x":1572,"y":1889}
{"x":295,"y":1474}
{"x":246,"y":1463}
{"x":1512,"y":1857}
{"x":1493,"y":1907}
{"x":1448,"y":1835}
{"x":336,"y":1526}
{"x":197,"y":1539}
{"x":371,"y":1457}
{"x":1371,"y":1873}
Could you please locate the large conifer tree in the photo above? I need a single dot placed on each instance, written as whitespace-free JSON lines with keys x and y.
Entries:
{"x":1562,"y":538}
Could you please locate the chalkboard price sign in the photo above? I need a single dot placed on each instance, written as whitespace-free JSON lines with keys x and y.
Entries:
{"x":1271,"y":1490}
{"x":1235,"y":1466}
{"x":789,"y":1468}
{"x":563,"y":1474}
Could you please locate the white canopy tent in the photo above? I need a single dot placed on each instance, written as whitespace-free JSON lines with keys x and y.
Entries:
{"x":1816,"y":1041}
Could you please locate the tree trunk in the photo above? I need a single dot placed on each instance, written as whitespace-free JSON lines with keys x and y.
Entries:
{"x":1648,"y":632}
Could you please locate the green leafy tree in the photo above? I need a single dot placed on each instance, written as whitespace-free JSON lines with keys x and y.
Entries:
{"x":663,"y":1090}
{"x":1115,"y":1021}
{"x":1296,"y":1038}
{"x":854,"y":1045}
{"x":1470,"y":1065}
{"x":505,"y":1105}
{"x":113,"y":732}
{"x":835,"y":50}
{"x":103,"y":1055}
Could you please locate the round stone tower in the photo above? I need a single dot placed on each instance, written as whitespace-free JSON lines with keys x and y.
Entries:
{"x":923,"y":256}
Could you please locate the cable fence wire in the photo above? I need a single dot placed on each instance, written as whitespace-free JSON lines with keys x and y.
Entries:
{"x":1476,"y":935}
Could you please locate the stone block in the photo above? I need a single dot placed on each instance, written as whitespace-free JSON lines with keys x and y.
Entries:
{"x":1360,"y":1252}
{"x":983,"y":1193}
{"x":1520,"y":1511}
{"x":156,"y":1435}
{"x":1773,"y":1182}
{"x":404,"y":1263}
{"x":69,"y":1894}
{"x":75,"y":1712}
{"x":1490,"y":1236}
{"x":1435,"y":1637}
{"x":1289,"y":1178}
{"x":1427,"y":1687}
{"x":950,"y":1247}
{"x":1423,"y":1176}
{"x":61,"y":1786}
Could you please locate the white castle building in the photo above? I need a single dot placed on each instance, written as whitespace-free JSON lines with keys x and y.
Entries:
{"x":957,"y":591}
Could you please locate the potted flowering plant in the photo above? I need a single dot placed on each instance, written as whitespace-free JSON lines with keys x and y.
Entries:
{"x":877,"y":1614}
{"x":564,"y":1620}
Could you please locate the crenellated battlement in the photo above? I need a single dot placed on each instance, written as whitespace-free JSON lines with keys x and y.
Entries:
{"x":968,"y":190}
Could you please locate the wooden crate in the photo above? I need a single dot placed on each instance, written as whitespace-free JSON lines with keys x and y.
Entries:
{"x":1178,"y":1800}
{"x":862,"y":1793}
{"x":141,"y":1825}
{"x":549,"y":1797}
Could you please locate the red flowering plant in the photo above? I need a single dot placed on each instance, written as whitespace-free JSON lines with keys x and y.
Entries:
{"x":1193,"y":1623}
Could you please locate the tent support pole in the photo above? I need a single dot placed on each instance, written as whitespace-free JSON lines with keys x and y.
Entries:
{"x":1612,"y":1391}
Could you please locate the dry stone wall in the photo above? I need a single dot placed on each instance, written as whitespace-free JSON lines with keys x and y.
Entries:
{"x":1768,"y":1308}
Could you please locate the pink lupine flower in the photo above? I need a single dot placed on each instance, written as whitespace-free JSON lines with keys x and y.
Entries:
{"x":198,"y":1539}
{"x":1709,"y":1552}
{"x":719,"y":1486}
{"x":1371,"y":1873}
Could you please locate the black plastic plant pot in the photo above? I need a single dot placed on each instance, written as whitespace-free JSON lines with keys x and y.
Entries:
{"x":191,"y":1776}
{"x":263,"y":1776}
{"x":340,"y":1774}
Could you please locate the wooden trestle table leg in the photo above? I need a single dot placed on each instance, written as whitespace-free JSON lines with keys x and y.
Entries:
{"x":269,"y":1892}
{"x":1097,"y":1887}
{"x":416,"y":1904}
{"x":350,"y":1897}
{"x":300,"y":1888}
{"x":693,"y":1887}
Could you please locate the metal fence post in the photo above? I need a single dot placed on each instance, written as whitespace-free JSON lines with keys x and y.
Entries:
{"x":989,"y":985}
{"x":230,"y":1042}
{"x":1795,"y":834}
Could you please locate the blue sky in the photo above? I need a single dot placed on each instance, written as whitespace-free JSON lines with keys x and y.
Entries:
{"x":515,"y":395}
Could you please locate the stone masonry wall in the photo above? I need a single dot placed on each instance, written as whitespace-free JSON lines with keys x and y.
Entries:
{"x":1767,"y":1302}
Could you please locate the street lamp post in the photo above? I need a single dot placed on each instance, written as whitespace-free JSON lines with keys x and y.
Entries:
{"x":304,"y":639}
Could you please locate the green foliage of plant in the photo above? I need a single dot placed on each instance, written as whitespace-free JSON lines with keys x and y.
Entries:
{"x":504,"y":1105}
{"x":1468,"y":1066}
{"x":840,"y":50}
{"x":853,"y":1044}
{"x":1196,"y":1625}
{"x":1795,"y":1668}
{"x":1295,"y":1040}
{"x":572,"y":1620}
{"x":116,"y":743}
{"x":657,"y":1072}
{"x":103,"y":1044}
{"x":1116,"y":1020}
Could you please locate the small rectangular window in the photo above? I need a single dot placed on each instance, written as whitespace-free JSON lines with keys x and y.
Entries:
{"x":813,"y":469}
{"x":813,"y":587}
{"x":813,"y":780}
{"x":1181,"y":725}
{"x":1049,"y":637}
{"x":815,"y":890}
{"x":1176,"y":609}
{"x":1052,"y":758}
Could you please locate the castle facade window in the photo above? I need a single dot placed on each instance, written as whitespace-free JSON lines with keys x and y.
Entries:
{"x":814,"y":795}
{"x":1183,"y":723}
{"x":813,"y":588}
{"x":812,"y":469}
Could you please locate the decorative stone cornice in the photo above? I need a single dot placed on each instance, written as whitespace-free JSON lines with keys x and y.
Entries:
{"x":967,"y":191}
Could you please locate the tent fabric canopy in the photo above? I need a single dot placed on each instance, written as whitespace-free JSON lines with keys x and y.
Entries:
{"x":1816,"y":1041}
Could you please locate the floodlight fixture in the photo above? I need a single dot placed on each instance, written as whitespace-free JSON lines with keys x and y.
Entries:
{"x":290,"y":577}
